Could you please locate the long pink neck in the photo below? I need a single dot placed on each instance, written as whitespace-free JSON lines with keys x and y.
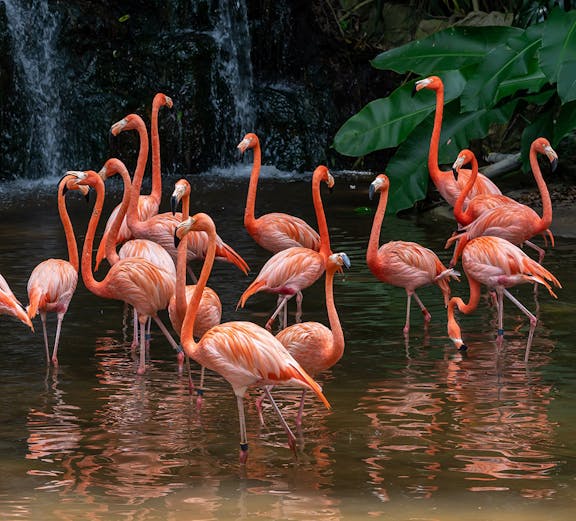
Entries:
{"x":324,"y":249}
{"x":373,"y":242}
{"x":96,"y":287}
{"x":156,"y":191}
{"x":132,"y":218}
{"x":453,"y":327}
{"x":335,"y":326}
{"x":186,"y":333}
{"x":249,"y":217}
{"x":463,"y":216}
{"x":68,"y":230}
{"x":111,"y":253}
{"x":181,"y":303}
{"x":435,"y":173}
{"x":546,"y":219}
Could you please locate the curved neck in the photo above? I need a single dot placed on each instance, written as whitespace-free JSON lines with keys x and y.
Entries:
{"x":372,"y":251}
{"x":180,"y":295}
{"x":156,"y":191}
{"x":111,"y":253}
{"x":320,"y":218}
{"x":249,"y":217}
{"x":335,"y":326}
{"x":186,"y":333}
{"x":462,"y":216}
{"x":435,"y":172}
{"x":87,"y":276}
{"x":132,"y":218}
{"x":68,"y":230}
{"x":546,"y":219}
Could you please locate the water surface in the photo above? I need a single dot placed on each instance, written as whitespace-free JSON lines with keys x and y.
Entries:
{"x":417,"y":430}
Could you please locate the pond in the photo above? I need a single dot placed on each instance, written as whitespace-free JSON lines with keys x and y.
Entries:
{"x":416,"y":430}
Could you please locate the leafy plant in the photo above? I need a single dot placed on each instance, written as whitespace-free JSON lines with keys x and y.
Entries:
{"x":491,"y":75}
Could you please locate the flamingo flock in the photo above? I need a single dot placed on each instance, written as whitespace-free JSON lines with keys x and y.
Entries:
{"x":150,"y":272}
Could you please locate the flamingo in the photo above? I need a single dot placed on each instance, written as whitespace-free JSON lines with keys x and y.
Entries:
{"x":10,"y":305}
{"x":244,"y":353}
{"x":135,"y":280}
{"x":515,"y":222}
{"x":160,"y":228}
{"x":273,"y":231}
{"x":52,"y":283}
{"x":290,"y":271}
{"x":133,"y":247}
{"x":315,"y":346}
{"x":444,"y":181}
{"x":148,"y":205}
{"x":498,"y":264}
{"x":404,"y":264}
{"x":209,"y":312}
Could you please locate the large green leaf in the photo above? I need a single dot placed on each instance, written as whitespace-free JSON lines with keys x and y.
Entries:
{"x":515,"y":62}
{"x":542,"y":126}
{"x":558,"y":53}
{"x":565,"y":122}
{"x":386,"y":122}
{"x":408,"y":169}
{"x":446,"y":50}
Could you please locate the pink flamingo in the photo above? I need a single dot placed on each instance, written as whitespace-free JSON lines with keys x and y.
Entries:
{"x":290,"y":271}
{"x":149,"y":250}
{"x":10,"y":305}
{"x":209,"y":313}
{"x":148,"y":205}
{"x":517,"y":222}
{"x":404,"y":264}
{"x":273,"y":231}
{"x":498,"y":264}
{"x":160,"y":228}
{"x":52,"y":283}
{"x":134,"y":280}
{"x":244,"y":353}
{"x":444,"y":181}
{"x":314,"y":346}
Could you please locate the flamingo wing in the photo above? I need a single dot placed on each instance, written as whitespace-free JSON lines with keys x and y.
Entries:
{"x":279,"y":231}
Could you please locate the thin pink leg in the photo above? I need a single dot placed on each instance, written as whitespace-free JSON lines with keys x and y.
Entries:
{"x":57,"y":339}
{"x":43,"y":318}
{"x":243,"y":437}
{"x":289,"y":433}
{"x":299,"y":299}
{"x":282,"y":301}
{"x":425,"y":312}
{"x":142,"y":361}
{"x":300,"y":411}
{"x":407,"y":324}
{"x":531,"y":317}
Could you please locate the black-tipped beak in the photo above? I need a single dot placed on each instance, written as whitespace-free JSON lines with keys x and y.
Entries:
{"x":455,"y":172}
{"x":463,"y":347}
{"x":173,"y":204}
{"x":371,"y":191}
{"x":554,"y":164}
{"x":176,"y":239}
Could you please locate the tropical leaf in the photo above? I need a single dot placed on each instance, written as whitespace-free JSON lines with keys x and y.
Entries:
{"x":386,"y":122}
{"x":445,"y":50}
{"x":515,"y":59}
{"x":558,"y":53}
{"x":542,"y":126}
{"x":565,"y":122}
{"x":408,"y":168}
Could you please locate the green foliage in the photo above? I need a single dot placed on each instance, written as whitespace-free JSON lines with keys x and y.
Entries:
{"x":491,"y":75}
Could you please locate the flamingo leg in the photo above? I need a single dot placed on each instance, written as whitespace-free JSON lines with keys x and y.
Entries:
{"x":282,"y":300}
{"x":300,"y":411}
{"x":259,"y":403}
{"x":43,"y":318}
{"x":500,"y":307}
{"x":170,"y":339}
{"x":299,"y":299}
{"x":142,"y":361}
{"x":289,"y":433}
{"x":407,"y":324}
{"x":541,"y":252}
{"x":135,"y":341}
{"x":57,"y":339}
{"x":531,"y":317}
{"x":243,"y":437}
{"x":425,"y":312}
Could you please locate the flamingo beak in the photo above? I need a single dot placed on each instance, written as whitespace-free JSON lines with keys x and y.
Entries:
{"x":173,"y":204}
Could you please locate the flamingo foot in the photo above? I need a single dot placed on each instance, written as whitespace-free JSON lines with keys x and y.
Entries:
{"x":243,"y":453}
{"x":141,"y":370}
{"x":180,"y":357}
{"x":55,"y":361}
{"x":427,"y":316}
{"x":199,"y":399}
{"x":259,"y":409}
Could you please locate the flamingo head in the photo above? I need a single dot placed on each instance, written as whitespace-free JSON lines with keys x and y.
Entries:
{"x":250,"y":140}
{"x":111,"y":167}
{"x":337,"y":261}
{"x":464,"y":157}
{"x":199,"y":222}
{"x":68,"y":182}
{"x":380,"y":184}
{"x":86,"y":178}
{"x":542,"y":146}
{"x":181,"y":189}
{"x":323,"y":174}
{"x":431,"y":82}
{"x":163,"y":100}
{"x":130,"y":122}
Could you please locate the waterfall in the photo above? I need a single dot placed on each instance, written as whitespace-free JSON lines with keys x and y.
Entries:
{"x":34,"y":31}
{"x":233,"y":67}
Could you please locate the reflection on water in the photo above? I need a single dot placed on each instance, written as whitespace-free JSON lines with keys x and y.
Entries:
{"x":417,"y":430}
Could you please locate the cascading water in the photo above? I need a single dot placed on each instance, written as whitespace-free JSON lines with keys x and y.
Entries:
{"x":34,"y":30}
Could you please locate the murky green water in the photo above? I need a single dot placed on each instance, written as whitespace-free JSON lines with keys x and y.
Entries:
{"x":417,"y":431}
